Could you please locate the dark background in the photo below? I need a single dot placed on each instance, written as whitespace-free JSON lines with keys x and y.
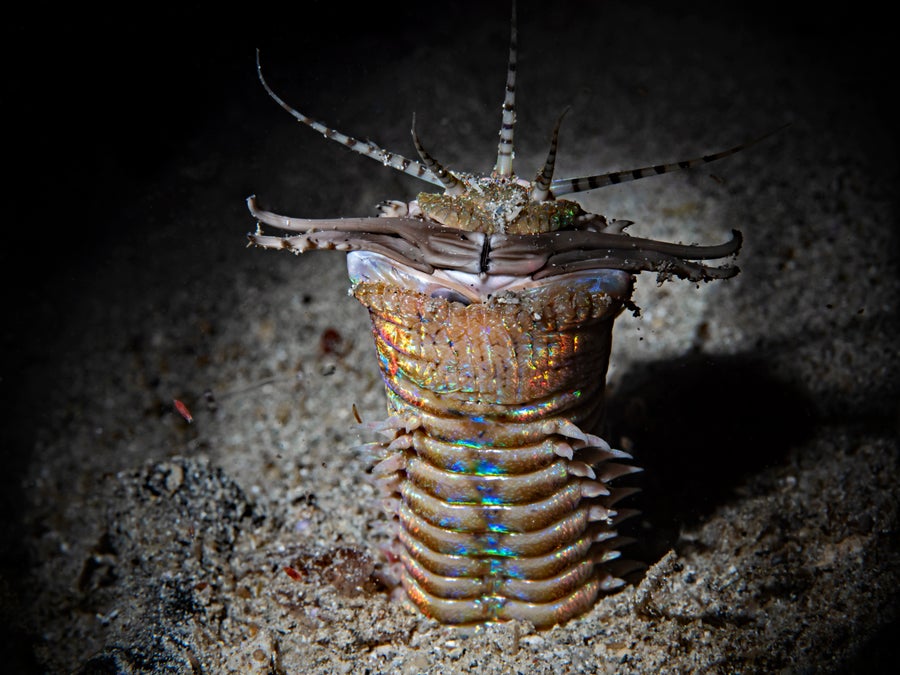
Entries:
{"x":97,"y":104}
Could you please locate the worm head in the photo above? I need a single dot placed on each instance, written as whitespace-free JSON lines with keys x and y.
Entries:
{"x":497,"y":224}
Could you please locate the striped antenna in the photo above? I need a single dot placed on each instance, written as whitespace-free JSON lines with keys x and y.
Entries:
{"x":366,"y":148}
{"x":540,"y":188}
{"x":508,"y":118}
{"x":452,"y":185}
{"x":565,"y":186}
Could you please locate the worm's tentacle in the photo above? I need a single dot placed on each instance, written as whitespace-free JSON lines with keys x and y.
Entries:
{"x":452,"y":185}
{"x":540,"y":189}
{"x":367,"y":148}
{"x":504,"y":165}
{"x":565,"y":186}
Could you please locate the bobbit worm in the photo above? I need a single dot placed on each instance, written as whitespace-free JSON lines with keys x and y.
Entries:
{"x":492,"y":304}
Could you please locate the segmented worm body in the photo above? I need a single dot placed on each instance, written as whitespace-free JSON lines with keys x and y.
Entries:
{"x":492,"y":307}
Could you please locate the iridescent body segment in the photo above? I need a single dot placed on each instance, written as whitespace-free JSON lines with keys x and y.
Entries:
{"x":492,"y":470}
{"x":492,"y":309}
